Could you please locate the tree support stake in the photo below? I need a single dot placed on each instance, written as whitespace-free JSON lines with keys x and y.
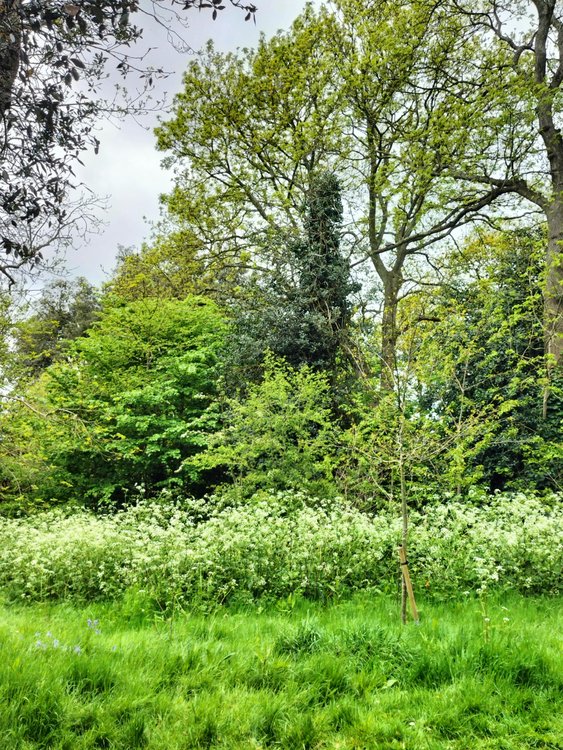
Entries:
{"x":408,"y":583}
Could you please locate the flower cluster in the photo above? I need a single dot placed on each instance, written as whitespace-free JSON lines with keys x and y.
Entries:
{"x":275,"y":545}
{"x":511,"y":541}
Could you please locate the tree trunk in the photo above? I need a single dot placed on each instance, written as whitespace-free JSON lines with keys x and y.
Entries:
{"x":548,"y":85}
{"x":389,"y":334}
{"x":391,"y":278}
{"x":553,"y":290}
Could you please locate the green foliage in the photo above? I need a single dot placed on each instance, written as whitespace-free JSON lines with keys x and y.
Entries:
{"x":489,"y":343}
{"x":361,"y":91}
{"x":389,"y":443}
{"x":279,"y":436}
{"x":131,"y":401}
{"x":64,"y":312}
{"x":173,"y":265}
{"x":365,"y":92}
{"x":303,"y":316}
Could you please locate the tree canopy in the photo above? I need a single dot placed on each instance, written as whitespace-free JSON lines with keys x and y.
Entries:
{"x":385,"y":96}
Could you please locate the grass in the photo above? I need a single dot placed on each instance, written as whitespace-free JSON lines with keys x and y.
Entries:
{"x":294,"y":676}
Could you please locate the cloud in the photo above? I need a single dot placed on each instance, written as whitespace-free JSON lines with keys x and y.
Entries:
{"x":127,"y":169}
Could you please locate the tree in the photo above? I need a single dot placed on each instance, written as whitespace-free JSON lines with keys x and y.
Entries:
{"x":324,"y":276}
{"x":249,"y":133}
{"x":46,"y":118}
{"x":302,"y":311}
{"x":524,"y":76}
{"x":64,"y":312}
{"x":129,"y":403}
{"x":171,"y":266}
{"x":486,"y":354}
{"x":363,"y":91}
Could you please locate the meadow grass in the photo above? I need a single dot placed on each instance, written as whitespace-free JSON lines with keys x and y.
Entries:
{"x":292,"y":675}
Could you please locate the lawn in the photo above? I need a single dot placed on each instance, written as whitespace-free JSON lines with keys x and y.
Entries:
{"x":292,"y":675}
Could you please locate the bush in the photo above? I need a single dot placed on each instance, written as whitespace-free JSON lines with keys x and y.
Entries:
{"x":130,"y":402}
{"x":281,"y":436}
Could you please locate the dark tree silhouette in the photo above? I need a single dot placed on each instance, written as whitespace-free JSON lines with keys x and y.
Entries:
{"x":54,"y":55}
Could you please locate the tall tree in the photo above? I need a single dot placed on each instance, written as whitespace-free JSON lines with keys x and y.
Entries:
{"x":524,"y":65}
{"x":248,"y":134}
{"x":324,"y":275}
{"x":360,"y":89}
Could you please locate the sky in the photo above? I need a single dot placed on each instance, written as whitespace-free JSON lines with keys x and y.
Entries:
{"x":127,"y":169}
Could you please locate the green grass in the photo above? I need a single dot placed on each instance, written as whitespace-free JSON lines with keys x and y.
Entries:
{"x":292,"y":676}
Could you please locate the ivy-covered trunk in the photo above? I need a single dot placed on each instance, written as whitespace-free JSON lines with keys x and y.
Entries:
{"x":553,"y":294}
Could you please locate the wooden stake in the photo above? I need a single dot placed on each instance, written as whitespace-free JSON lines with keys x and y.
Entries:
{"x":408,"y":583}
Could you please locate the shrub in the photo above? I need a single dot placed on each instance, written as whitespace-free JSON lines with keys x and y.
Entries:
{"x":281,"y":436}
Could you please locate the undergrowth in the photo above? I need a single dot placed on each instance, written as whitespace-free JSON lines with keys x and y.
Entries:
{"x":279,"y":544}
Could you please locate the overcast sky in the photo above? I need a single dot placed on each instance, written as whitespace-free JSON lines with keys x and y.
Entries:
{"x":127,"y":168}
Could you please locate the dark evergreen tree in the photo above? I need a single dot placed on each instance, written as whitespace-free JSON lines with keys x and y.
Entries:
{"x":301,"y":311}
{"x":324,"y":278}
